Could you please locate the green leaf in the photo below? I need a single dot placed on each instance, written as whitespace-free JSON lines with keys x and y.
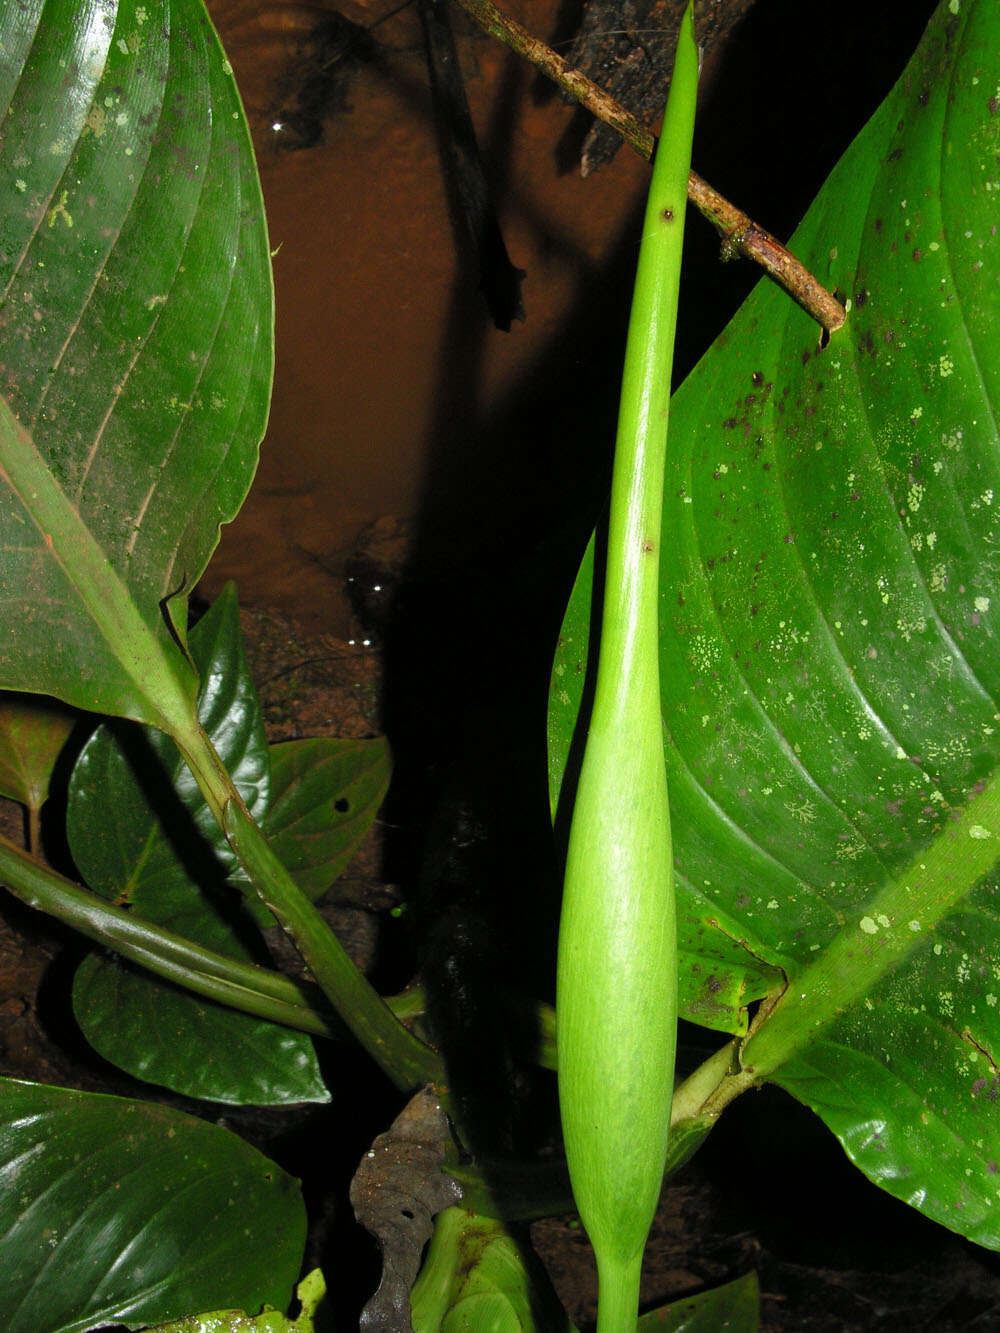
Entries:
{"x":33,"y":732}
{"x":192,"y":1046}
{"x":141,"y":834}
{"x":117,"y":1211}
{"x":125,"y":829}
{"x":325,"y":794}
{"x":829,"y":642}
{"x":136,"y":325}
{"x":310,"y":1293}
{"x":736,"y":1306}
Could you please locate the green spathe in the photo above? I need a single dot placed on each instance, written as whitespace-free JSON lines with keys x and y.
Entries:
{"x":617,"y":968}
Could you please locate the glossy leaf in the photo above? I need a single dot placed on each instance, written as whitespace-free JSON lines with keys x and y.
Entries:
{"x":735,"y":1307}
{"x":325,"y":794}
{"x":829,"y":640}
{"x":310,"y":1292}
{"x":120,"y":788}
{"x":193,"y":1046}
{"x":141,"y":834}
{"x":117,"y":1211}
{"x":136,"y":327}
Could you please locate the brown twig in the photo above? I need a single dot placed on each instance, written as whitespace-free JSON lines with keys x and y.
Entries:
{"x":740,"y":234}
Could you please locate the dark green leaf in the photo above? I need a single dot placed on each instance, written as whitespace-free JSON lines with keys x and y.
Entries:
{"x":116,"y":1211}
{"x":191,"y":1045}
{"x":141,"y":834}
{"x":908,"y":1080}
{"x":136,"y":328}
{"x":736,"y":1307}
{"x":325,"y":794}
{"x":136,"y":818}
{"x":830,"y":675}
{"x":309,"y":1292}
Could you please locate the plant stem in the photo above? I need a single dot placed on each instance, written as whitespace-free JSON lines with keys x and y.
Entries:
{"x":244,"y":986}
{"x":572,"y":81}
{"x":406,"y":1060}
{"x":884,"y":932}
{"x":618,"y":1295}
{"x":740,"y":233}
{"x":34,"y":828}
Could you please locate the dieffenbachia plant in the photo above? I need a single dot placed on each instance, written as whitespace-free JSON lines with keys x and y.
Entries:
{"x":616,"y":995}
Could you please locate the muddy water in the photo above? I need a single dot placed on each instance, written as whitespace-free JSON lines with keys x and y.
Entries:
{"x":386,"y":357}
